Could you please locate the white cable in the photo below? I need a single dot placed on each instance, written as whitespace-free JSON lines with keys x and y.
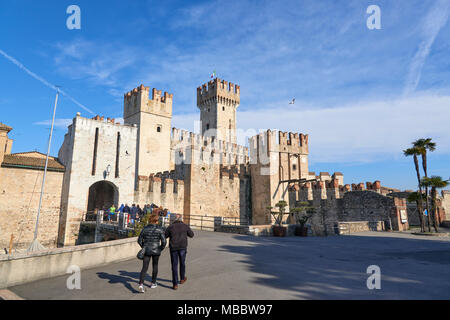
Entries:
{"x":42,"y":80}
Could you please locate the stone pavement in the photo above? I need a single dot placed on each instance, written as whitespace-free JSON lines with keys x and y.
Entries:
{"x":229,"y":266}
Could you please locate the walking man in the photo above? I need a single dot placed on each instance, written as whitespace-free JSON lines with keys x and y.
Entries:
{"x":178,"y":233}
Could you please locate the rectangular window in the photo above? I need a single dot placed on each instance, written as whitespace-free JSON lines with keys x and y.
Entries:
{"x":117,"y":154}
{"x":94,"y":158}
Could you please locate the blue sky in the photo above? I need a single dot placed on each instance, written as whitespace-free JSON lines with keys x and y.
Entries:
{"x":362,"y":95}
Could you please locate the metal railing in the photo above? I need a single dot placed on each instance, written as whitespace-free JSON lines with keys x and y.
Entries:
{"x":204,"y":222}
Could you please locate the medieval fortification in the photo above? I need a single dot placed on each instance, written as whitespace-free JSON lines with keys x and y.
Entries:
{"x":145,"y":160}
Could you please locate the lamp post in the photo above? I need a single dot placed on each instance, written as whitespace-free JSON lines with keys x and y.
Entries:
{"x":35,"y":245}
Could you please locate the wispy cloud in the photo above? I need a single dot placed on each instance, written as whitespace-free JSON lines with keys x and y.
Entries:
{"x":59,"y":123}
{"x":365,"y":131}
{"x":42,"y":80}
{"x":95,"y":61}
{"x":435,"y":19}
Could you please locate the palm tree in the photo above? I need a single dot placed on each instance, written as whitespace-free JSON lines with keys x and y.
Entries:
{"x":415,"y":197}
{"x":416,"y":152}
{"x":435,"y":182}
{"x":423,"y":145}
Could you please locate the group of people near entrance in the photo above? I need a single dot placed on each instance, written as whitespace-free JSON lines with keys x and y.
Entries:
{"x":135,"y":213}
{"x":153,"y":239}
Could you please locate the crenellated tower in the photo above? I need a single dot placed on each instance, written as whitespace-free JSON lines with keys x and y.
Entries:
{"x":218,"y":101}
{"x":153,"y":118}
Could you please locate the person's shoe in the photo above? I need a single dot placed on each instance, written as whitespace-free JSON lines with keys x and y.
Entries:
{"x":141,"y":288}
{"x":175,"y":287}
{"x":153,"y":286}
{"x":184,"y":280}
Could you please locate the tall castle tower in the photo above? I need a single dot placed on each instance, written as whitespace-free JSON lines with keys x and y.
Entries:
{"x":217,"y":101}
{"x":153,"y":118}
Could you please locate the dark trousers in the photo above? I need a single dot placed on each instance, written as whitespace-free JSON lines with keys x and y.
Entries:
{"x":175,"y":256}
{"x":145,"y":265}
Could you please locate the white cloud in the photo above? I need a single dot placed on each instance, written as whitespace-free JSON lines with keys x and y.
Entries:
{"x":59,"y":123}
{"x":433,"y":22}
{"x":359,"y":132}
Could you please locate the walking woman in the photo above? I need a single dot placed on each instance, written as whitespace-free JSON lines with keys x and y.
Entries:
{"x":153,"y":239}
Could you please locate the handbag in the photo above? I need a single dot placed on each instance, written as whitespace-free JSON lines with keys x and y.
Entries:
{"x":141,"y":254}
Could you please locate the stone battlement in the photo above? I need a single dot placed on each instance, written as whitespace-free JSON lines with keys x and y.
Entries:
{"x":158,"y":184}
{"x":138,"y":100}
{"x":231,"y":153}
{"x":279,"y":141}
{"x":108,"y":120}
{"x":233,"y":171}
{"x":329,"y":189}
{"x":156,"y":94}
{"x":218,"y":91}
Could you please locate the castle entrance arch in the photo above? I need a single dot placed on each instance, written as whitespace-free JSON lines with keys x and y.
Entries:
{"x":102,"y":195}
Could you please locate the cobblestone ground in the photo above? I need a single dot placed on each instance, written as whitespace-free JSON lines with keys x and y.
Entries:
{"x":228,"y":266}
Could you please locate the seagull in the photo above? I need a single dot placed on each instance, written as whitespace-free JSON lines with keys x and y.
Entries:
{"x":292,"y":102}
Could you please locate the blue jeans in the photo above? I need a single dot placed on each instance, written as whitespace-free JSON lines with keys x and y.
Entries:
{"x":175,"y":256}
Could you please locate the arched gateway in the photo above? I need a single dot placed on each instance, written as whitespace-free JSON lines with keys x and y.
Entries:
{"x":102,"y":195}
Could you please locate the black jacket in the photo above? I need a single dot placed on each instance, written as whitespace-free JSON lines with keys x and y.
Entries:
{"x":178,"y":233}
{"x":153,"y":239}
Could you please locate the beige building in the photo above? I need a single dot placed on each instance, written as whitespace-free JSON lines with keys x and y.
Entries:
{"x":20,"y":186}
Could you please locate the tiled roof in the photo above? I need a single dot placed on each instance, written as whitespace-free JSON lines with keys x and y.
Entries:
{"x":11,"y":160}
{"x":32,"y":154}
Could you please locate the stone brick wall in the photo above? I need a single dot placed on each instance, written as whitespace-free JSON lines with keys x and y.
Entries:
{"x":336,"y":204}
{"x":19,"y":200}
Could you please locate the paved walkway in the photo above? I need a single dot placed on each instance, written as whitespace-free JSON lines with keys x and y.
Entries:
{"x":228,"y":266}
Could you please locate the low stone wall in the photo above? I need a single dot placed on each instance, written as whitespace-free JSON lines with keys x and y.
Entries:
{"x":359,"y":226}
{"x":254,"y":230}
{"x":23,"y":268}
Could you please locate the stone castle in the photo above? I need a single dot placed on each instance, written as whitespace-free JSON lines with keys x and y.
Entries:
{"x":145,"y":160}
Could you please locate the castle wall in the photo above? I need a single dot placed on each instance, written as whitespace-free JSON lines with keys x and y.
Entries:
{"x":153,"y":119}
{"x":335,"y":203}
{"x":275,"y":157}
{"x":165,"y":192}
{"x":19,"y":200}
{"x":77,"y":154}
{"x":211,"y":187}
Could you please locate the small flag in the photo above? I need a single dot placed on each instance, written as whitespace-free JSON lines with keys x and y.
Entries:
{"x":425,"y":212}
{"x":213,"y":74}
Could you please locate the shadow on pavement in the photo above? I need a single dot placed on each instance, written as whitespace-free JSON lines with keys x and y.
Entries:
{"x":128,"y":279}
{"x":335,"y":267}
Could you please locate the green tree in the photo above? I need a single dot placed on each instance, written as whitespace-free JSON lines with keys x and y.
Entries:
{"x":278,"y":215}
{"x":415,"y":197}
{"x":415,"y":152}
{"x":424,"y":145}
{"x":139,"y":226}
{"x":435,"y":182}
{"x":302,"y":213}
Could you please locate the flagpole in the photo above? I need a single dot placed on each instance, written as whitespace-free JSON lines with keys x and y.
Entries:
{"x":35,"y":245}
